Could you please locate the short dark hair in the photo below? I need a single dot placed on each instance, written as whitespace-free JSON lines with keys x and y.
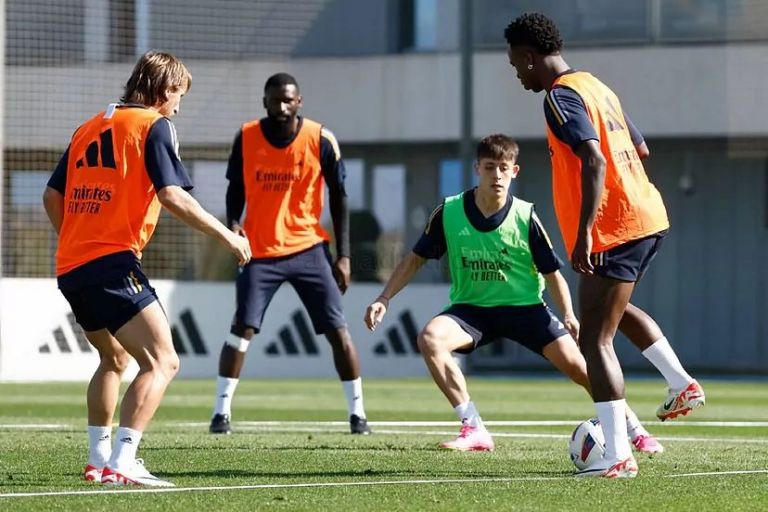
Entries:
{"x":280,"y":80}
{"x":498,"y":147}
{"x":535,"y":30}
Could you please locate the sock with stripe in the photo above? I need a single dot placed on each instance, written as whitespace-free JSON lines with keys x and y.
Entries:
{"x":100,"y":445}
{"x":124,"y":450}
{"x":225,"y":391}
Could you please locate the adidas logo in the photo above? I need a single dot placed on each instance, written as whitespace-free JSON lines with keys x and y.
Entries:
{"x":395,"y":343}
{"x":99,"y":153}
{"x":61,"y":342}
{"x":286,"y":343}
{"x":127,"y":440}
{"x":193,"y":335}
{"x":464,"y":232}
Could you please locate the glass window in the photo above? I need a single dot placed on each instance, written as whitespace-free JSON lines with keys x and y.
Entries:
{"x":389,"y":196}
{"x":451,"y":180}
{"x":425,"y":24}
{"x":579,"y":21}
{"x":713,"y":20}
{"x":210,"y":179}
{"x":355,"y":183}
{"x":389,"y":211}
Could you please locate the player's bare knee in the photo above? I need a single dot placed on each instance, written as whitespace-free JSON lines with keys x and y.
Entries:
{"x":119,"y":361}
{"x":430,"y":341}
{"x":339,"y":336}
{"x":168,"y":364}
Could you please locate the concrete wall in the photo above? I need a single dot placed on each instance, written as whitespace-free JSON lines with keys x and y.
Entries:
{"x":705,"y":91}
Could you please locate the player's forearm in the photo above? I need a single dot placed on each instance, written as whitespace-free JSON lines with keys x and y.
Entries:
{"x":186,"y":208}
{"x":558,"y":290}
{"x":402,"y":275}
{"x":340,"y":218}
{"x":54,"y":207}
{"x":235,"y":201}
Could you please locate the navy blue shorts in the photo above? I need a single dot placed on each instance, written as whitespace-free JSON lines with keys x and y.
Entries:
{"x":310,"y":274}
{"x":533,"y":326}
{"x":629,"y":261}
{"x":112,"y":303}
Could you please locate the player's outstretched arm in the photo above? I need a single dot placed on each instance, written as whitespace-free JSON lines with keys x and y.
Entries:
{"x":557,"y":287}
{"x":54,"y":207}
{"x":181,"y":204}
{"x":402,"y":275}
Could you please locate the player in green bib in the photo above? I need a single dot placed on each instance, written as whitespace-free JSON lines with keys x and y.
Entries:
{"x":501,"y":260}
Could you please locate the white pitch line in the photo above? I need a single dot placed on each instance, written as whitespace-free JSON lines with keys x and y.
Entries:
{"x":36,"y":426}
{"x":337,"y":484}
{"x":712,"y":473}
{"x":279,"y":486}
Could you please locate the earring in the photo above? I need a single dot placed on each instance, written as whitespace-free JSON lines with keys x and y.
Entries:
{"x":530,"y":66}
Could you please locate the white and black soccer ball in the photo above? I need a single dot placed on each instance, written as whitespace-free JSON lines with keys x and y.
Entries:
{"x":587,"y":444}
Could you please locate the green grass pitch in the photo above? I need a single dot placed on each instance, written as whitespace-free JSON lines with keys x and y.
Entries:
{"x":715,"y":459}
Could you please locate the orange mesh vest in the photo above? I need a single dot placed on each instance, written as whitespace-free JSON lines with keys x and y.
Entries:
{"x":110,"y":204}
{"x":284,"y":191}
{"x":630,"y":207}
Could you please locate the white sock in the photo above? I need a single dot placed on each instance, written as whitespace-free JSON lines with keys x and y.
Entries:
{"x":634,"y":427}
{"x":225,"y":390}
{"x":100,"y":445}
{"x":353,"y":389}
{"x":124,"y":450}
{"x":663,"y":357}
{"x":468,"y":415}
{"x":612,"y":416}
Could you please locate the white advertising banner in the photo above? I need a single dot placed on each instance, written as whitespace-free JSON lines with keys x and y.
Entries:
{"x":40,"y":340}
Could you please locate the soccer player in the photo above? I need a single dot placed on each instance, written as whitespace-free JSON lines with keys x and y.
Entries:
{"x":104,"y":200}
{"x":500,"y":260}
{"x":612,"y":220}
{"x":278,"y":169}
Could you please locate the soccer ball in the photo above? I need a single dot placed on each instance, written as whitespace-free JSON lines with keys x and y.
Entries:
{"x":587,"y":444}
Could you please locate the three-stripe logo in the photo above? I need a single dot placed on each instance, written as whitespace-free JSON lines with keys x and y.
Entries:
{"x":62,"y":343}
{"x":286,"y":343}
{"x":394,"y":342}
{"x":193,"y":335}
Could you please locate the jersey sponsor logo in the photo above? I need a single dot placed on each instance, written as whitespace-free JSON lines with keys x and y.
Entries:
{"x":89,"y":198}
{"x":62,"y":342}
{"x":277,"y":181}
{"x":286,"y":343}
{"x":394,"y":343}
{"x":189,"y":325}
{"x":484,"y":266}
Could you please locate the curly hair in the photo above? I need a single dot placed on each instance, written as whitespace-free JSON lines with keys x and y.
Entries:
{"x":535,"y":30}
